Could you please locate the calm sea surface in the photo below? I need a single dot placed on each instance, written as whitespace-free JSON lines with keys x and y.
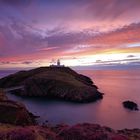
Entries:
{"x":118,"y":85}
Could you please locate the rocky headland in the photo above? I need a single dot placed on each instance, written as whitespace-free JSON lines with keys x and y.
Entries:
{"x":53,"y":82}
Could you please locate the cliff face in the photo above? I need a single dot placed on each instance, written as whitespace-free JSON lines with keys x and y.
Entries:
{"x":53,"y":82}
{"x":13,"y":112}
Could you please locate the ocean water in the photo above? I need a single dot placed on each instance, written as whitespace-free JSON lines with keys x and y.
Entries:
{"x":118,"y":86}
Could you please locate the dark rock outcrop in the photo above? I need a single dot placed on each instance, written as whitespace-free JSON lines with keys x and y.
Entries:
{"x":130,"y":105}
{"x":13,"y":112}
{"x":53,"y":82}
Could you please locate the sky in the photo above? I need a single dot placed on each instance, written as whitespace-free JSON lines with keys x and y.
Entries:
{"x":78,"y":32}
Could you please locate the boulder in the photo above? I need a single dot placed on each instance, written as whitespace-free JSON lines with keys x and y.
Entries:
{"x":130,"y":105}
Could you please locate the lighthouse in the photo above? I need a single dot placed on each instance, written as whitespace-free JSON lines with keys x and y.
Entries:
{"x":58,"y":63}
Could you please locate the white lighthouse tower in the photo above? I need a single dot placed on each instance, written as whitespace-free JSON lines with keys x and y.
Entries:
{"x":58,"y":63}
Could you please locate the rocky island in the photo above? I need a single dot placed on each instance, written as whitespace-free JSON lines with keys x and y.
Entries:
{"x":130,"y":105}
{"x":53,"y":82}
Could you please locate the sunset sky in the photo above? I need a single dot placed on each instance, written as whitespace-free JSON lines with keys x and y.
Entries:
{"x":78,"y":32}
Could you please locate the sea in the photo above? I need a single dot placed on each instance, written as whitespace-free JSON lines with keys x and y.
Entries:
{"x":117,"y":86}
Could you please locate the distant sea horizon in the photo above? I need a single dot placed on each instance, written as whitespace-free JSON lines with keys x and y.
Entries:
{"x":6,"y":71}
